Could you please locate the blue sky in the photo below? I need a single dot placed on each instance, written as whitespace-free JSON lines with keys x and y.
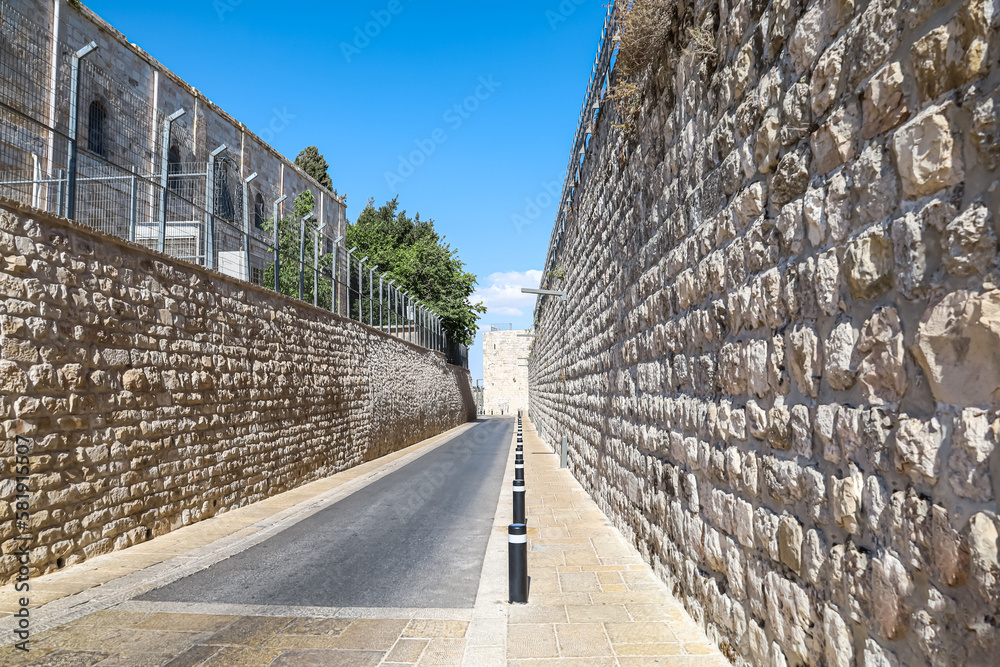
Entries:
{"x":465,"y":110}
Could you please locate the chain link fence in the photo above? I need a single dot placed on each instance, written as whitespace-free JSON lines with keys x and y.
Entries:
{"x":79,"y":141}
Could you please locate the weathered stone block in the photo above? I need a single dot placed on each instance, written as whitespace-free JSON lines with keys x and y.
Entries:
{"x":974,"y":438}
{"x":891,"y":588}
{"x":791,"y":177}
{"x":833,"y":143}
{"x":970,"y":242}
{"x":881,"y":358}
{"x":868,"y":265}
{"x":928,"y":154}
{"x":884,"y":104}
{"x":958,"y":347}
{"x":790,"y":543}
{"x":917,"y":444}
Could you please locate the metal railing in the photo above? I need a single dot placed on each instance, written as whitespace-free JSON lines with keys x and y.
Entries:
{"x":78,"y":141}
{"x":597,"y":91}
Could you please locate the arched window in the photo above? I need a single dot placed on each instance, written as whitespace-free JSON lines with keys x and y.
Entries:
{"x":96,"y":128}
{"x":174,"y":169}
{"x":224,"y":205}
{"x":258,"y":211}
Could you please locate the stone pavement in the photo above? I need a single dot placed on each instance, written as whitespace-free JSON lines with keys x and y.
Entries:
{"x":592,"y":600}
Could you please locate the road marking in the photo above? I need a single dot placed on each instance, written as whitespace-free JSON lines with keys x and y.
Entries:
{"x":225,"y":609}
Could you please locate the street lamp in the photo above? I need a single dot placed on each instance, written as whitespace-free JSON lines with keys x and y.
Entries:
{"x":209,"y":209}
{"x":246,"y":225}
{"x":168,"y":123}
{"x":544,"y":292}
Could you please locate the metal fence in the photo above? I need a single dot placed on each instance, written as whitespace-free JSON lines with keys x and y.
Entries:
{"x":598,"y":88}
{"x":78,"y":141}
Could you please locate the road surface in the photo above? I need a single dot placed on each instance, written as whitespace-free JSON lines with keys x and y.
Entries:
{"x":415,"y":538}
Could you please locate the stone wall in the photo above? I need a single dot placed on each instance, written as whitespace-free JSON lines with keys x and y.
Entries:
{"x":505,"y":371}
{"x":779,"y":362}
{"x":155,"y":393}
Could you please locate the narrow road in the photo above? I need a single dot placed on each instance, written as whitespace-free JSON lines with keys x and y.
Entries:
{"x":415,"y":538}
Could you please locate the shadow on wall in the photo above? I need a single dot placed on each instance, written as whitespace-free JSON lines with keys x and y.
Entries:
{"x":464,"y":381}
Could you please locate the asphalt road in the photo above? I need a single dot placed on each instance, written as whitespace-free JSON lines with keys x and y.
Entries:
{"x":415,"y":538}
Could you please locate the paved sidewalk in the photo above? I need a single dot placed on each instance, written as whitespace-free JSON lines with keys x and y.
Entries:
{"x":592,"y":601}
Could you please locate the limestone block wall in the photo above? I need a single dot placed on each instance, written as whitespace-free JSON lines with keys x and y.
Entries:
{"x":505,"y":371}
{"x":779,"y":362}
{"x":155,"y":393}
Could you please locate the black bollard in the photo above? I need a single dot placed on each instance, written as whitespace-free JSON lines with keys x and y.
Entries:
{"x":517,"y":562}
{"x":519,"y":501}
{"x":519,"y":467}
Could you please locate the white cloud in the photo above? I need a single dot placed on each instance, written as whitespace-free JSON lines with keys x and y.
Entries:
{"x":502,"y":293}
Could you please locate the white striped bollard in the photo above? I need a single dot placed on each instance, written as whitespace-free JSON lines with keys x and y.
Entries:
{"x":517,"y":562}
{"x":519,"y":467}
{"x":519,"y":501}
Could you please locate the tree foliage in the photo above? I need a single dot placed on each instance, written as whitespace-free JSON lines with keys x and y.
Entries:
{"x":410,"y":251}
{"x":289,"y":241}
{"x":311,"y":162}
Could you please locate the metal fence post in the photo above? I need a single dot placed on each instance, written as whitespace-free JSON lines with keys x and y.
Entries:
{"x":276,"y":240}
{"x":347,"y":283}
{"x":74,"y":109}
{"x":161,"y":242}
{"x":380,"y":306}
{"x":371,"y":296}
{"x":133,"y":207}
{"x":246,"y":225}
{"x":302,"y":257}
{"x":316,"y":235}
{"x":61,"y":194}
{"x":333,"y":274}
{"x":36,"y":184}
{"x":563,"y":452}
{"x":333,"y":278}
{"x":389,"y":289}
{"x":361,"y":284}
{"x":210,"y":207}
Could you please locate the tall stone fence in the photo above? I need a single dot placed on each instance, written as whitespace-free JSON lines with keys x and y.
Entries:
{"x":149,"y":393}
{"x":778,"y":364}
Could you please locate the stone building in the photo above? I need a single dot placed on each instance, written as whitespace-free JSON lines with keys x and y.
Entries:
{"x":505,"y":371}
{"x":125,"y":105}
{"x":777,"y":364}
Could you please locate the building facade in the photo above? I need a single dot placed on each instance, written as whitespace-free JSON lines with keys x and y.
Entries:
{"x":94,"y":128}
{"x":505,"y":371}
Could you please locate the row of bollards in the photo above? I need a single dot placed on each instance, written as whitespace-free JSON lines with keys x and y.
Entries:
{"x":517,"y":533}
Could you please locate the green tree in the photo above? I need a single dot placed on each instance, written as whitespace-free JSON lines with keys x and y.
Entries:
{"x":311,"y":162}
{"x":410,"y":251}
{"x":289,"y":240}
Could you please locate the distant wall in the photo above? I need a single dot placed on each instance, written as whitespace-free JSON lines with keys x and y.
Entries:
{"x":778,"y":365}
{"x":156,"y":393}
{"x":505,"y":371}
